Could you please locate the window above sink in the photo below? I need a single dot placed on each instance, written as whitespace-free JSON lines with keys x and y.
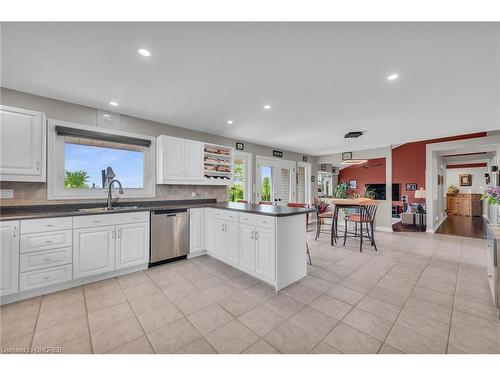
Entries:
{"x":78,"y":156}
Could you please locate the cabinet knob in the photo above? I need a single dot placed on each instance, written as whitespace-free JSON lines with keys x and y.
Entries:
{"x":46,"y":278}
{"x":48,"y":241}
{"x":49,"y":225}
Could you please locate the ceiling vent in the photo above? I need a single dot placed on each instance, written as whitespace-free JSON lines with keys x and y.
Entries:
{"x":353,"y":135}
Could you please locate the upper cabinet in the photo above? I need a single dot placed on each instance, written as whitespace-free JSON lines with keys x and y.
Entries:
{"x":22,"y":147}
{"x":185,"y":162}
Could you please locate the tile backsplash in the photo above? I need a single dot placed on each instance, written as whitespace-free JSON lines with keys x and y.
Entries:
{"x":26,"y":193}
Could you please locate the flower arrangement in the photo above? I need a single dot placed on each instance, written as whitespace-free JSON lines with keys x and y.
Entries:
{"x":321,"y":206}
{"x":492,"y":195}
{"x":452,"y":189}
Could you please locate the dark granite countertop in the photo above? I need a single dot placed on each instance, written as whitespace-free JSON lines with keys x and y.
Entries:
{"x":62,"y":210}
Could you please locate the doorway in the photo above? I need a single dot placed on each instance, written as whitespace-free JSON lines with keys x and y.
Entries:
{"x":276,"y":181}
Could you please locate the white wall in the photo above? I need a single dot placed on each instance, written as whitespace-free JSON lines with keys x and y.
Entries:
{"x":478,"y":180}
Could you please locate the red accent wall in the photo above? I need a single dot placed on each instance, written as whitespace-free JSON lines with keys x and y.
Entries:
{"x":408,"y":162}
{"x":371,"y":172}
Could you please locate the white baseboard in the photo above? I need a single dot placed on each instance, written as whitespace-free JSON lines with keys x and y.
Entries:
{"x":196,"y":254}
{"x":384,"y":229}
{"x":433,"y":230}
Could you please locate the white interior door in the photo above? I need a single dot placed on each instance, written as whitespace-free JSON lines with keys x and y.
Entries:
{"x":276,"y":181}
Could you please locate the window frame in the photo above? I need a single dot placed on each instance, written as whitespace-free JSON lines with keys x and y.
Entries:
{"x":56,"y":160}
{"x":307,"y":180}
{"x":247,"y":176}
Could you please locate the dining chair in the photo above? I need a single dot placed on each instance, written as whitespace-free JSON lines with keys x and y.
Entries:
{"x":303,"y":205}
{"x":367,"y":212}
{"x":320,"y":217}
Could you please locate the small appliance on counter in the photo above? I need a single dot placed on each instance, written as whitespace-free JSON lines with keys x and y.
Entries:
{"x":169,"y":235}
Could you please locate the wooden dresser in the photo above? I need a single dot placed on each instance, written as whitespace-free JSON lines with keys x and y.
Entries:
{"x":464,"y":204}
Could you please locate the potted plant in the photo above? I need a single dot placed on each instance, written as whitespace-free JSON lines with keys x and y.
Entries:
{"x":492,"y":195}
{"x":452,"y":189}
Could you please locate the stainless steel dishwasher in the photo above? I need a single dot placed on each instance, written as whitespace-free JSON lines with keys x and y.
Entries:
{"x":169,"y":235}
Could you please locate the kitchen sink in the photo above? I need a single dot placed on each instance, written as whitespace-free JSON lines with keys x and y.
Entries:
{"x":104,"y":209}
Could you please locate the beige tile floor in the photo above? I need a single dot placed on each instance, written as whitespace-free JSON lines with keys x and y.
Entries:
{"x":420,"y":293}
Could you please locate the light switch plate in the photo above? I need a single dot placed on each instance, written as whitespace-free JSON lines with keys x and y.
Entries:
{"x":6,"y":193}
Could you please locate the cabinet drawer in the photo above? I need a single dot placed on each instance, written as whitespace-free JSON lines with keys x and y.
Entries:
{"x":46,"y":225}
{"x":46,"y":241}
{"x":110,"y":219}
{"x":45,"y":259}
{"x":41,"y":278}
{"x":258,"y":220}
{"x":226,"y":215}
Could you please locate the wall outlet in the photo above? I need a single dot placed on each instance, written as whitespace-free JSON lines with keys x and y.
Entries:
{"x":6,"y":193}
{"x":193,"y":194}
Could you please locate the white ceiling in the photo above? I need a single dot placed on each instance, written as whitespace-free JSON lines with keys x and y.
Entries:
{"x":322,"y":79}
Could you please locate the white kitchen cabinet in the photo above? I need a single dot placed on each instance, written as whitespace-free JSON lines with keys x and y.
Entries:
{"x":9,"y":257}
{"x":209,"y":230}
{"x":247,"y":248}
{"x":132,"y":245}
{"x":22,"y":145}
{"x":219,"y":238}
{"x":231,"y":252}
{"x":193,"y":161}
{"x":178,"y":161}
{"x":265,"y":263}
{"x":196,"y":230}
{"x":93,"y":251}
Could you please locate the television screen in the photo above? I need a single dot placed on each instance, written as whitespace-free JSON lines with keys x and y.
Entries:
{"x":377,"y":189}
{"x":395,"y":192}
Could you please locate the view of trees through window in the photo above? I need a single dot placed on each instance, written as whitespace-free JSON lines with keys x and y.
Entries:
{"x":266,"y":185}
{"x":236,"y":191}
{"x":84,"y":166}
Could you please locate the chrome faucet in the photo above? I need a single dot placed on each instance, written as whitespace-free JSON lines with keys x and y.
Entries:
{"x":110,"y":198}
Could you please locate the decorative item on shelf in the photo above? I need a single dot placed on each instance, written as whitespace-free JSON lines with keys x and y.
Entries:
{"x":452,"y":189}
{"x":406,"y":206}
{"x":313,"y":178}
{"x":440,"y":179}
{"x":341,"y":190}
{"x":278,"y":153}
{"x":370,"y":194}
{"x":322,"y":167}
{"x":465,"y":179}
{"x":353,"y":184}
{"x":240,"y":146}
{"x":492,"y":195}
{"x":346,"y":155}
{"x":304,"y":159}
{"x":494,"y":168}
{"x":411,"y":187}
{"x":487,"y":178}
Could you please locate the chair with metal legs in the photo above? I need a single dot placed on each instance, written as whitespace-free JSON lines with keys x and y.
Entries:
{"x":322,"y":214}
{"x":367,"y":212}
{"x":303,"y":205}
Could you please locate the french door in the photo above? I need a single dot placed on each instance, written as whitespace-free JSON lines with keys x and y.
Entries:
{"x":276,"y":181}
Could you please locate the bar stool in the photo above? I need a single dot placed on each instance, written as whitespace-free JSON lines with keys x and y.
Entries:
{"x":303,"y":205}
{"x":328,"y":214}
{"x":367,"y":212}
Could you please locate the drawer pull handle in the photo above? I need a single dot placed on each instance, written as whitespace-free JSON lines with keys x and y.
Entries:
{"x":95,"y":221}
{"x":46,"y":278}
{"x":47,"y":259}
{"x":48,"y":241}
{"x":50,"y":225}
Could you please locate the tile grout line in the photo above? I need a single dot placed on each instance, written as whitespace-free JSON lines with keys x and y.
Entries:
{"x":87,"y":318}
{"x":36,"y":322}
{"x":453,"y":309}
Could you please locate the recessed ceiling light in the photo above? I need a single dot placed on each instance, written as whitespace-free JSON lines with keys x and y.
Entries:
{"x":230,"y":122}
{"x":267,"y":107}
{"x":144,"y":52}
{"x":114,"y":104}
{"x":392,"y":77}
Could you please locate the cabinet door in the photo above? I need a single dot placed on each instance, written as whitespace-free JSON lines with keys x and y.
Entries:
{"x":193,"y":161}
{"x":219,"y":238}
{"x":464,"y":206}
{"x":93,"y":251}
{"x":173,"y":158}
{"x":247,"y":248}
{"x":9,"y":257}
{"x":22,"y":145}
{"x":210,"y":230}
{"x":265,"y":254}
{"x":132,"y":245}
{"x":231,"y":252}
{"x":196,"y":230}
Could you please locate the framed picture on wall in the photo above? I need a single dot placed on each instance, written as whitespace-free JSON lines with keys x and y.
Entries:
{"x":346,"y":155}
{"x":465,"y":179}
{"x":353,"y":184}
{"x":411,"y":187}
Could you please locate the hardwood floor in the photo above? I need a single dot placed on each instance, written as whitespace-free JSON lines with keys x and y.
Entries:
{"x":474,"y":227}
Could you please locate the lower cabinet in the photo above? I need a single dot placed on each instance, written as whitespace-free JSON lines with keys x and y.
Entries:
{"x":231,"y":245}
{"x":93,"y":251}
{"x":132,"y":245}
{"x":219,"y":238}
{"x":209,"y":230}
{"x":196,"y":230}
{"x":9,"y":257}
{"x":257,"y":253}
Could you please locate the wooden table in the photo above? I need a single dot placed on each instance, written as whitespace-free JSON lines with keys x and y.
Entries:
{"x":339,"y":203}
